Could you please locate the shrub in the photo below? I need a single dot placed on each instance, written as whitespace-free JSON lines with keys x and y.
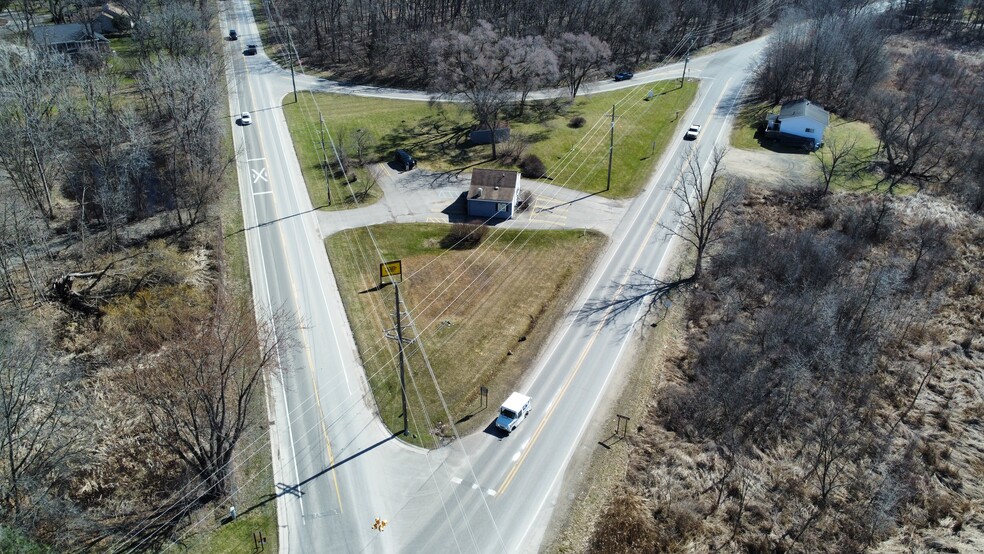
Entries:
{"x":525,"y":201}
{"x":532,"y":167}
{"x":464,"y":236}
{"x":576,"y":122}
{"x":511,"y":151}
{"x":624,"y":526}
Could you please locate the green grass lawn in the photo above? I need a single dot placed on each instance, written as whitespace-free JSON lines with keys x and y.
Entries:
{"x":483,"y":314}
{"x":305,"y":131}
{"x":747,"y":123}
{"x":125,"y":62}
{"x":436,"y":135}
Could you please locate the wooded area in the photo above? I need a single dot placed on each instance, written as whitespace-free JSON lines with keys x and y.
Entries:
{"x":393,"y":40}
{"x":130,"y":360}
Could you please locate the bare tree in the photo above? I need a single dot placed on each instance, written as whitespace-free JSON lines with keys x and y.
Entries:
{"x":579,"y":56}
{"x":474,"y":67}
{"x":832,"y":59}
{"x":179,"y":28}
{"x":30,"y":125}
{"x":911,"y":133}
{"x":198,"y":396}
{"x":365,"y":141}
{"x":23,"y":251}
{"x":184,"y":94}
{"x":59,"y":9}
{"x":779,"y":60}
{"x":110,"y":153}
{"x":930,"y":246}
{"x":835,"y":160}
{"x":704,"y":200}
{"x":36,"y":422}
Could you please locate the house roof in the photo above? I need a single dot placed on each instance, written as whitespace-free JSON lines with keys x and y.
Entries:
{"x":804,"y":108}
{"x":53,"y":35}
{"x":494,"y":185}
{"x":114,"y":10}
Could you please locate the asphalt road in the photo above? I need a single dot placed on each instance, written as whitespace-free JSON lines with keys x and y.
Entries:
{"x":336,"y":465}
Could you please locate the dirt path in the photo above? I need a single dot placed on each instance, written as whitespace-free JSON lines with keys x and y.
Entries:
{"x":771,"y":169}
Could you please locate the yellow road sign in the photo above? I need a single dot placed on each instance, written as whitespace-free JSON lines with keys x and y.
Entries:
{"x":391,"y":270}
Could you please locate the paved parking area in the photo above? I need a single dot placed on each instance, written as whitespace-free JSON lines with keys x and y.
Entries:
{"x":435,"y":197}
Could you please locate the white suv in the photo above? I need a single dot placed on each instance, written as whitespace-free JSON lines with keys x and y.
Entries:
{"x":692,"y":132}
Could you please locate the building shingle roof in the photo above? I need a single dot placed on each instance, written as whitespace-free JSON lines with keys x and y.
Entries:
{"x":494,"y":185}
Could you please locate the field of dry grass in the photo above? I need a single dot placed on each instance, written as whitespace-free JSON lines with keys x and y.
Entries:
{"x":481,"y":313}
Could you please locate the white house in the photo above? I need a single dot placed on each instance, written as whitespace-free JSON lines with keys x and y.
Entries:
{"x":801,"y":122}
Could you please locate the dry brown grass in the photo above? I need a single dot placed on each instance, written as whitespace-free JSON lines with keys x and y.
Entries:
{"x":482,"y":314}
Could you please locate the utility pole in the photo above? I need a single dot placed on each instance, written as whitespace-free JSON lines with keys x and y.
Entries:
{"x":399,"y":340}
{"x":686,"y":60}
{"x":292,"y":82}
{"x":611,"y":148}
{"x":290,"y":56}
{"x":324,"y":157}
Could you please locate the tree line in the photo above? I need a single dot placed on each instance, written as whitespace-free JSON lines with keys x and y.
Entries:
{"x":383,"y":39}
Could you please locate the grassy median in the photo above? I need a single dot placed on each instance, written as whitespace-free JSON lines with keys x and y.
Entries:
{"x":482,"y":314}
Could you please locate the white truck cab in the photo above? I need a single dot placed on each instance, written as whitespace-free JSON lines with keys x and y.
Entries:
{"x":513,"y":411}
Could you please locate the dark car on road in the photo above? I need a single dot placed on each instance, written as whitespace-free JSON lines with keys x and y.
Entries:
{"x":250,"y":50}
{"x":624,"y":75}
{"x":233,"y":35}
{"x":404,"y":160}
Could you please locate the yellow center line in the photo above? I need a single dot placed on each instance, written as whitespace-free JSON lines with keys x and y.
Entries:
{"x":584,"y":353}
{"x":311,"y":364}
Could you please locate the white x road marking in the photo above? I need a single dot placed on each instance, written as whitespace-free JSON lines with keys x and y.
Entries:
{"x":259,"y":174}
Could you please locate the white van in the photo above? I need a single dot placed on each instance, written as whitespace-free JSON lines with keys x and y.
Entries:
{"x":513,"y":411}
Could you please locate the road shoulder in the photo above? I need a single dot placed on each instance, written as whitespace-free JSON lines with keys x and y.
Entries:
{"x":600,"y":463}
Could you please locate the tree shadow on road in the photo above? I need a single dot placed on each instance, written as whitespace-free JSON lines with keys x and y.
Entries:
{"x":648,"y":297}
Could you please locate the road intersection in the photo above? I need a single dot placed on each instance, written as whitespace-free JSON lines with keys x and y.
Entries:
{"x":336,"y":464}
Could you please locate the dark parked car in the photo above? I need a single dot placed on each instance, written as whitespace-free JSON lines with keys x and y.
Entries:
{"x":624,"y":75}
{"x":233,"y":35}
{"x":250,"y":50}
{"x":405,"y":161}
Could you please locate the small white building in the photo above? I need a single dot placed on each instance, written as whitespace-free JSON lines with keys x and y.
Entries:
{"x":801,"y":122}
